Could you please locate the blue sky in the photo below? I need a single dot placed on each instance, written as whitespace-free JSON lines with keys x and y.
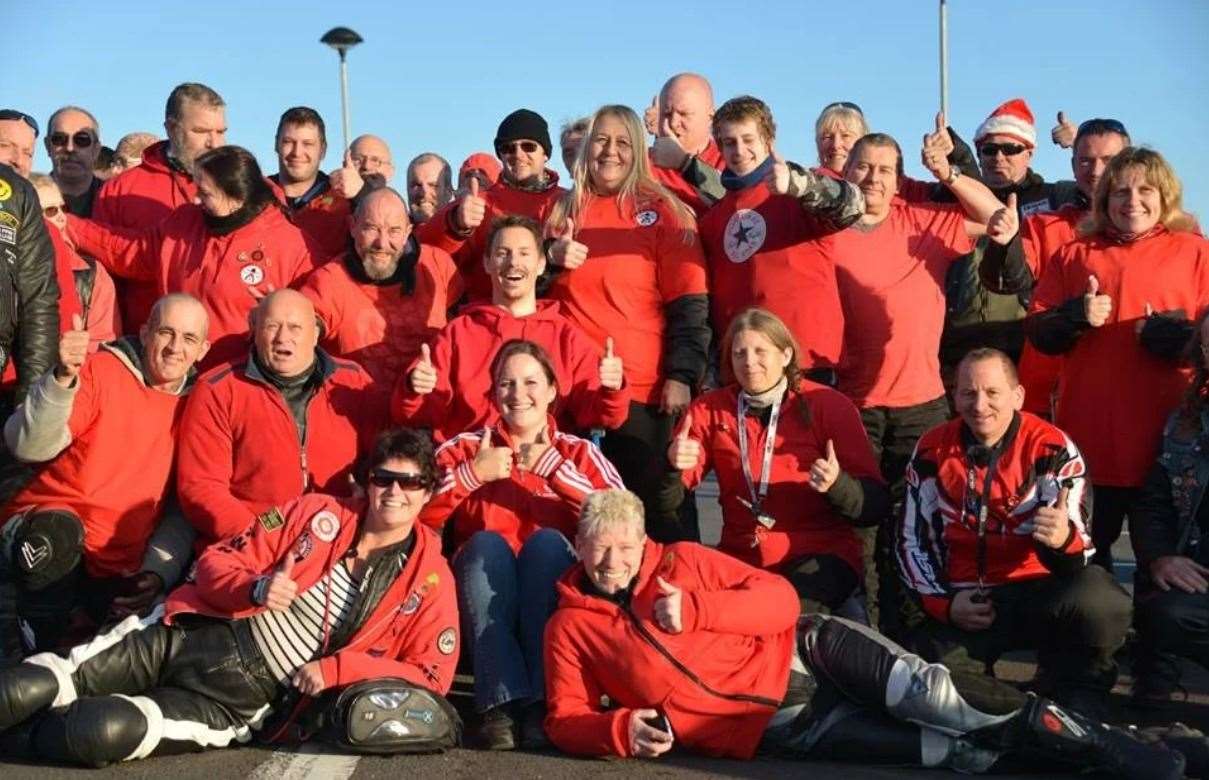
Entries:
{"x":439,"y":76}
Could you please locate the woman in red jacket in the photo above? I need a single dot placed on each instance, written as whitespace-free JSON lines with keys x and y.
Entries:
{"x":795,"y":470}
{"x":1118,"y":305}
{"x":228,"y":250}
{"x":512,"y":493}
{"x":631,"y":268}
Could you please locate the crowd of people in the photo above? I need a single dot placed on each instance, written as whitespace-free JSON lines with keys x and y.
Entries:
{"x":282,"y":452}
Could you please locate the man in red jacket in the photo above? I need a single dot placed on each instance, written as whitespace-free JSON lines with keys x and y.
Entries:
{"x":240,"y":639}
{"x":655,"y":645}
{"x":317,"y":209}
{"x":685,"y":111}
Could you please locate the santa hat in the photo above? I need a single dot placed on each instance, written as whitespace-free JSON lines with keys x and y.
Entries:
{"x":1014,"y":119}
{"x":481,"y":161}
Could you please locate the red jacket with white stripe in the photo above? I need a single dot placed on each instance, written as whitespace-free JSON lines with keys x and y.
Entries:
{"x":411,"y":633}
{"x":548,"y":496}
{"x":937,"y":544}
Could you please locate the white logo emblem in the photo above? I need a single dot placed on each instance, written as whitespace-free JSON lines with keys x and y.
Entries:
{"x":34,"y":555}
{"x":744,"y":235}
{"x":647,"y":218}
{"x":447,"y":641}
{"x":324,"y":526}
{"x":251,"y":274}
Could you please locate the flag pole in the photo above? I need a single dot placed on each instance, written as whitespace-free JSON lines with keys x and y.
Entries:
{"x":944,"y":59}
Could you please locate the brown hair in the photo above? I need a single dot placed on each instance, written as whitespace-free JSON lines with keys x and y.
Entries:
{"x":1158,"y":173}
{"x":771,"y":327}
{"x":513,"y":347}
{"x":876,"y":139}
{"x":742,"y":109}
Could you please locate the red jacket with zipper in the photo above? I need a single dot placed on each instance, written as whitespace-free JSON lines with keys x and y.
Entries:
{"x":239,"y":452}
{"x":412,"y":632}
{"x":323,"y":216}
{"x":718,"y":681}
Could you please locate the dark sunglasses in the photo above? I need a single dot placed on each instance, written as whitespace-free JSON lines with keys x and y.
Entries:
{"x":1009,"y":150}
{"x":9,"y":114}
{"x":528,"y":147}
{"x":384,"y":478}
{"x":81,"y":138}
{"x":843,"y":104}
{"x":50,"y":212}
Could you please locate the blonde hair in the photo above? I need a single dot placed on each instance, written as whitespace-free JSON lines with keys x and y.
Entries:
{"x":44,"y":184}
{"x":1158,"y":173}
{"x":838,"y":114}
{"x":639,"y":187}
{"x":606,"y":509}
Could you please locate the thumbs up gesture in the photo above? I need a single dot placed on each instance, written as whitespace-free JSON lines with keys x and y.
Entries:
{"x":826,"y":470}
{"x":612,"y":373}
{"x":684,"y":452}
{"x":1004,"y":224}
{"x":491,"y":463}
{"x":778,"y":178}
{"x":1063,"y":133}
{"x":73,"y":351}
{"x":423,"y":377}
{"x":937,"y":147}
{"x":666,"y":611}
{"x":1051,"y":524}
{"x":281,"y":590}
{"x":346,"y":181}
{"x":667,"y":151}
{"x":1096,"y":306}
{"x":650,"y":116}
{"x":472,"y":209}
{"x":566,"y":251}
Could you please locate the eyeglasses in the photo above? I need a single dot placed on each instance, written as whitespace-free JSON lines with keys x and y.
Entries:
{"x":11,"y":114}
{"x":384,"y":478}
{"x":374,"y":160}
{"x":842,"y":104}
{"x":1009,"y":150}
{"x":50,"y":212}
{"x":528,"y":147}
{"x":81,"y":138}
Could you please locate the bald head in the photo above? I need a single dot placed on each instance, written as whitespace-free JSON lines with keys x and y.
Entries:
{"x":285,"y":332}
{"x":174,"y":339}
{"x":686,"y":102}
{"x":371,"y":155}
{"x":380,"y":230}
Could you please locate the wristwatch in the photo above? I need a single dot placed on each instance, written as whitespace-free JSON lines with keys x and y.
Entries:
{"x":954,"y":172}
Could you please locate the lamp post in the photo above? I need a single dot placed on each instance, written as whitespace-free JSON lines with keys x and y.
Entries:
{"x":342,"y":39}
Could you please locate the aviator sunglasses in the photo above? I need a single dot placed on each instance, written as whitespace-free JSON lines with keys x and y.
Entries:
{"x":81,"y":138}
{"x":384,"y":478}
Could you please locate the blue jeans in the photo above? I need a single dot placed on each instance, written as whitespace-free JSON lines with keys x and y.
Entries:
{"x":505,"y":601}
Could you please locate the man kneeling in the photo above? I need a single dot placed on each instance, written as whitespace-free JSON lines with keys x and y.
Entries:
{"x":326,"y":595}
{"x":655,"y":645}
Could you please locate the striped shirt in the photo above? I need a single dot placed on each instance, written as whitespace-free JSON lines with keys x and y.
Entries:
{"x":289,"y":639}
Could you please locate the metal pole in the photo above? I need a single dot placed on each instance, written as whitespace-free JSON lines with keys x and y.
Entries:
{"x":944,"y":59}
{"x":344,"y":96}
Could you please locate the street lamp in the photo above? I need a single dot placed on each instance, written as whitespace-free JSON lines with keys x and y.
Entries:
{"x":342,"y":39}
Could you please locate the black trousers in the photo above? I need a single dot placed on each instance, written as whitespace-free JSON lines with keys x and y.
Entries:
{"x":823,"y":582}
{"x":1171,"y":625}
{"x":1111,"y":506}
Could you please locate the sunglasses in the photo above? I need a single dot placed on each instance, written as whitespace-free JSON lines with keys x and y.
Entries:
{"x":384,"y":478}
{"x":1009,"y":150}
{"x":50,"y":212}
{"x":10,"y":114}
{"x":81,"y":138}
{"x":843,"y":104}
{"x":528,"y":147}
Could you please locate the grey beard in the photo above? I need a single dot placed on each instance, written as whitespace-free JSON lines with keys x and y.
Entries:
{"x":378,"y":273}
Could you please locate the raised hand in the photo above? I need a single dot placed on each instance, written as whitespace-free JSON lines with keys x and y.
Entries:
{"x":529,"y":453}
{"x":491,"y":463}
{"x":73,"y":351}
{"x":1096,"y":306}
{"x":937,"y":147}
{"x":826,"y":470}
{"x":650,"y":116}
{"x":423,"y":378}
{"x":666,"y":151}
{"x":684,"y":452}
{"x":566,"y":251}
{"x":667,"y":607}
{"x":346,"y":180}
{"x":611,"y":370}
{"x":280,"y":592}
{"x":1063,"y":133}
{"x":778,"y":178}
{"x":1004,"y":224}
{"x":471,"y":209}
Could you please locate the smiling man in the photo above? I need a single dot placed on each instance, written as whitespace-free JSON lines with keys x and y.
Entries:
{"x":301,"y":144}
{"x":1005,"y":143}
{"x":288,"y":419}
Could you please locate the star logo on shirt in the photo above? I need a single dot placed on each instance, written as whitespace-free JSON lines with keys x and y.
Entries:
{"x":744,"y":235}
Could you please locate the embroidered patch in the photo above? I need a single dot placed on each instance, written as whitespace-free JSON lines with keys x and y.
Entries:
{"x":8,"y":235}
{"x":744,"y":235}
{"x":325,"y":525}
{"x":430,"y":582}
{"x":251,"y":274}
{"x":303,"y":547}
{"x":411,"y":605}
{"x":447,"y":641}
{"x":271,"y":520}
{"x":6,"y":190}
{"x":9,"y":220}
{"x":647,"y":218}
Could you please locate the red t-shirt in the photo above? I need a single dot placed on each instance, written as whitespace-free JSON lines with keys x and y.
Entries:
{"x":670,"y":177}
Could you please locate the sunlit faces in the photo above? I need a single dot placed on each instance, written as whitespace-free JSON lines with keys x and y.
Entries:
{"x":213,"y":200}
{"x":835,"y":141}
{"x":514,"y":261}
{"x":1134,"y":204}
{"x":395,"y":506}
{"x":523,"y":159}
{"x":743,"y":146}
{"x":686,"y":106}
{"x":73,"y":145}
{"x":611,"y":155}
{"x":17,"y":145}
{"x":51,"y":201}
{"x":1002,"y":169}
{"x":200,"y":129}
{"x":286,"y":333}
{"x":300,"y":149}
{"x":874,"y":169}
{"x":173,"y":342}
{"x":1092,"y":156}
{"x":371,"y":155}
{"x":612,"y":557}
{"x":380,"y":231}
{"x":987,"y":398}
{"x":757,"y":362}
{"x":426,"y":190}
{"x":523,"y":393}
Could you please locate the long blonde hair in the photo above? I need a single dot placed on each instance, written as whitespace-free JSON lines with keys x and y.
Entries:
{"x":1158,"y":173}
{"x":639,"y":187}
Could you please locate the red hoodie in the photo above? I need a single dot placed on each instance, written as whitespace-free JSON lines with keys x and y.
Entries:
{"x":731,"y":661}
{"x":412,"y":633}
{"x":468,"y":250}
{"x":462,"y":353}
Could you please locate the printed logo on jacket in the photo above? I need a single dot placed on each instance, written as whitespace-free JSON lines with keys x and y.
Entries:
{"x":744,"y":235}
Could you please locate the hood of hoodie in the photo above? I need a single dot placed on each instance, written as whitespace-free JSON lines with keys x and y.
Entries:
{"x":129,"y":350}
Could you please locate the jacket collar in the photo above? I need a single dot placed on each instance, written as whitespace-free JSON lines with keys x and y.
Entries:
{"x":129,"y":350}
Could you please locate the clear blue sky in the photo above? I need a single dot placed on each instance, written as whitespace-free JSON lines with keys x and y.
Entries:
{"x":426,"y":78}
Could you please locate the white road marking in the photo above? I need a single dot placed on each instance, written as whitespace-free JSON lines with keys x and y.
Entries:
{"x":309,"y":762}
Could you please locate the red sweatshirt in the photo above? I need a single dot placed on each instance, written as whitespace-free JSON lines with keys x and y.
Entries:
{"x":180,"y":254}
{"x":139,"y":199}
{"x":468,"y":250}
{"x":412,"y":633}
{"x":1115,"y":395}
{"x":763,"y":250}
{"x":672,"y":179}
{"x":462,"y":353}
{"x":806,"y":522}
{"x":321,"y":214}
{"x":548,"y":496}
{"x":640,"y":258}
{"x":239,"y":448}
{"x":603,"y":660}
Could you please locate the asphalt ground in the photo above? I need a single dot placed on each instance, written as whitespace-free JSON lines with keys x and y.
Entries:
{"x":316,"y":761}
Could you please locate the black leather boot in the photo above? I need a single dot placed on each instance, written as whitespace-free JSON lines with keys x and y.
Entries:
{"x":24,"y":690}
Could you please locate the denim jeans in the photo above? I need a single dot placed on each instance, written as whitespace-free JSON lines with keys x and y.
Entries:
{"x":505,"y":601}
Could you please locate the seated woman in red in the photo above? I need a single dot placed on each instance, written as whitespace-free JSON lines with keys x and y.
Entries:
{"x":513,"y":493}
{"x":795,"y":470}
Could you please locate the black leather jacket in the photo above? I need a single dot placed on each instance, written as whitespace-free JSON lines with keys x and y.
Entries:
{"x":29,"y":291}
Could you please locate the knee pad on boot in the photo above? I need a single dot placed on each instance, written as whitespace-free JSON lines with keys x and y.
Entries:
{"x":392,"y":716}
{"x":24,"y":690}
{"x":95,"y":731}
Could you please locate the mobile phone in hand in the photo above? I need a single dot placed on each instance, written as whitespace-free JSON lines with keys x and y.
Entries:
{"x":660,"y":723}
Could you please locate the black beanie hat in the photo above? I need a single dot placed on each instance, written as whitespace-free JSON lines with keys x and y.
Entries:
{"x":523,"y":125}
